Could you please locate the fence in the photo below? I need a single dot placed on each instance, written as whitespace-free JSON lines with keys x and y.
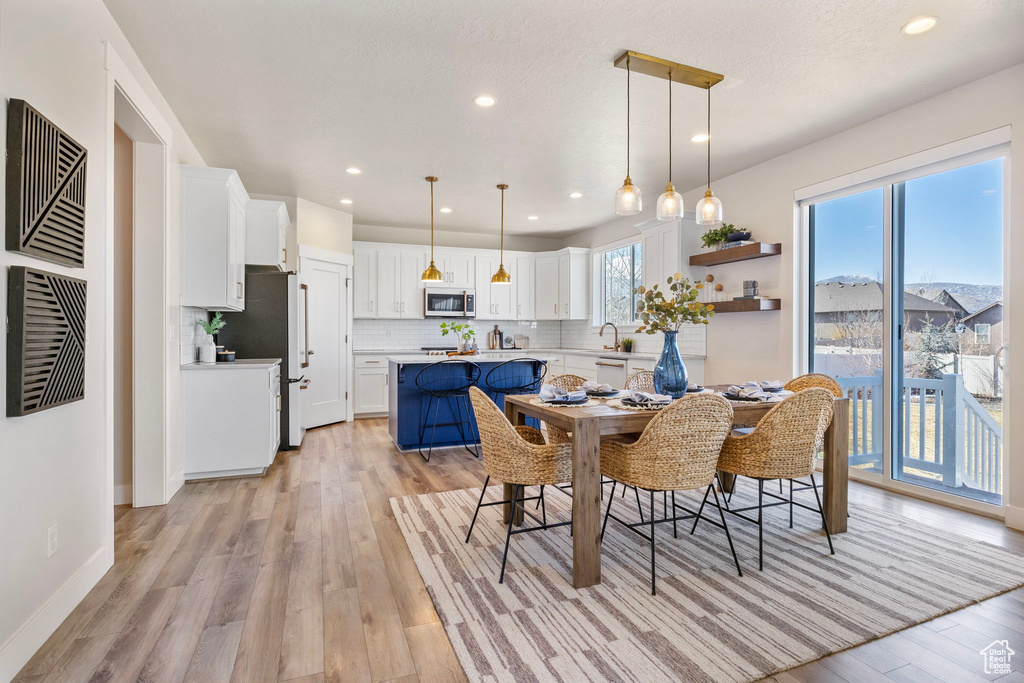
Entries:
{"x":945,"y":431}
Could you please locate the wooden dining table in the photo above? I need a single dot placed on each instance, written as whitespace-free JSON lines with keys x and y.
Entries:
{"x":589,"y":424}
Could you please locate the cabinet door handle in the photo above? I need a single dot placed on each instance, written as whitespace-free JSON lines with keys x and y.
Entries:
{"x":371,"y":306}
{"x":279,"y":403}
{"x":387,"y":380}
{"x":238,"y":290}
{"x":371,"y":361}
{"x":556,"y":309}
{"x":284,"y":259}
{"x":611,"y":365}
{"x":305,"y":323}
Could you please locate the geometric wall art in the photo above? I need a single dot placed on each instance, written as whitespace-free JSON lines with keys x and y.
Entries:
{"x":45,"y":188}
{"x":45,"y":340}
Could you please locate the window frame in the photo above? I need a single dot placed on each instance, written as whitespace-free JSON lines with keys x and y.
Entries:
{"x":598,"y":263}
{"x":988,"y":334}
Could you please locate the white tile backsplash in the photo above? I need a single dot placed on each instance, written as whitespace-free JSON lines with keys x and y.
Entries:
{"x":580,"y":334}
{"x":398,"y":335}
{"x":189,"y":329}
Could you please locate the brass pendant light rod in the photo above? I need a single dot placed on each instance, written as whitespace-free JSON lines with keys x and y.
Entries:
{"x":629,"y":74}
{"x":708,"y":132}
{"x":501,"y":277}
{"x":432,"y":274}
{"x":669,"y":130}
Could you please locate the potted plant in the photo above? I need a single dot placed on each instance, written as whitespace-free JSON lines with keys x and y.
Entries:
{"x":462,"y":331}
{"x":667,"y":313}
{"x":208,"y":346}
{"x":727,"y":232}
{"x":627,"y":344}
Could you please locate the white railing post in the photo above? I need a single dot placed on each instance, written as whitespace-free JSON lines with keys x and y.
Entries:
{"x":952,"y":429}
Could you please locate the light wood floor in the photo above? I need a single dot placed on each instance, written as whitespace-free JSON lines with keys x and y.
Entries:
{"x":303,"y":576}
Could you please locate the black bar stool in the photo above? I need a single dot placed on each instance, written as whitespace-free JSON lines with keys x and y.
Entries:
{"x":448,"y":381}
{"x":516,"y":376}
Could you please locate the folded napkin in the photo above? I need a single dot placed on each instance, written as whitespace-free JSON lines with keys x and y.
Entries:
{"x":591,"y":385}
{"x":648,"y":397}
{"x":550,"y":392}
{"x":750,"y":391}
{"x":692,"y":386}
{"x":773,"y":385}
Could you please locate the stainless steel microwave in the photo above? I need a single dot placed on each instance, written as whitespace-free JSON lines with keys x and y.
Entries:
{"x":439,"y":302}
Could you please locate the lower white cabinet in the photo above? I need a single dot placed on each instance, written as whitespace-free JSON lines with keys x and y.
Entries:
{"x":229,"y":416}
{"x":370,"y":386}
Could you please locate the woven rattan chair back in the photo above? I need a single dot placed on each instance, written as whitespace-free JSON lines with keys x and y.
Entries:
{"x":815,"y":379}
{"x":641,"y":380}
{"x":785,"y":441}
{"x":678,"y":450}
{"x":567,"y":382}
{"x":517,"y":376}
{"x":512,"y":459}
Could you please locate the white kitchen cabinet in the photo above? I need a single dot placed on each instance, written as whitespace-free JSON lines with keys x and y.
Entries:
{"x":456,"y":267}
{"x":364,"y":282}
{"x":399,"y":289}
{"x":546,"y":299}
{"x":213,"y":241}
{"x":370,"y":386}
{"x":666,"y":247}
{"x":525,"y":283}
{"x":493,"y":302}
{"x":229,"y":417}
{"x":573,"y":282}
{"x":266,"y":234}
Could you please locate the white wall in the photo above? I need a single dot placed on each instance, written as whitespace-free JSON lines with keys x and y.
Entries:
{"x":761,"y":198}
{"x":55,"y":462}
{"x":122,"y":285}
{"x":448,"y":238}
{"x":323,"y":227}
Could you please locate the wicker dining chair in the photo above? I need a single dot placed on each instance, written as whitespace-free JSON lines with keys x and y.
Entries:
{"x":569,"y":383}
{"x":678,"y":451}
{"x":815,"y":379}
{"x":782,"y":446}
{"x":517,"y":455}
{"x":641,"y":380}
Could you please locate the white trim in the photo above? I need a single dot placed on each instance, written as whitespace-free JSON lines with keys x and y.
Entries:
{"x":21,"y":646}
{"x":1014,"y":517}
{"x":961,"y":152}
{"x":122,"y":494}
{"x":325,"y":255}
{"x":949,"y":500}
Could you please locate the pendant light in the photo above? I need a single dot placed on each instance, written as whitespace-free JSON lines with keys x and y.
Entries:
{"x":709,"y":209}
{"x":628,"y":200}
{"x":432,"y":274}
{"x":502,"y":277}
{"x":670,"y":204}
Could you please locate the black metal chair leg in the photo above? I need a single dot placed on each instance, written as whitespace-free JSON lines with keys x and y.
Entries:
{"x":638,"y":507}
{"x":541,"y":499}
{"x":701,"y":509}
{"x":824,"y":522}
{"x":780,"y":486}
{"x":675,"y":534}
{"x":653,"y":590}
{"x":463,"y":422}
{"x":543,"y":507}
{"x":423,"y":429}
{"x":608,"y":510}
{"x":760,"y":524}
{"x":790,"y":503}
{"x":477,"y":511}
{"x":725,"y":526}
{"x":508,"y":535}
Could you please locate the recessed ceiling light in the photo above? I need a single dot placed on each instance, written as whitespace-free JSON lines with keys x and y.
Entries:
{"x":484,"y":101}
{"x":346,"y":201}
{"x":700,"y":137}
{"x":445,"y":209}
{"x":919,"y":25}
{"x":575,"y":195}
{"x":531,"y":218}
{"x":353,"y":170}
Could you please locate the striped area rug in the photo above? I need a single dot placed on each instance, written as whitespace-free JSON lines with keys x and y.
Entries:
{"x":705,"y":623}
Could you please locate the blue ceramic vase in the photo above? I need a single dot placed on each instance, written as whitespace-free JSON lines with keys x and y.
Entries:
{"x":670,"y":373}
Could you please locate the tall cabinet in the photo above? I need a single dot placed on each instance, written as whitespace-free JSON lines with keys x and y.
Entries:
{"x":213,"y":203}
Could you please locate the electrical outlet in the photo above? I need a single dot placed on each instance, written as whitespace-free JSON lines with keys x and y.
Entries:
{"x":51,"y":540}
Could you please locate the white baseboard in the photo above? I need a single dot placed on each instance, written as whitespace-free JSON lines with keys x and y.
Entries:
{"x":34,"y":632}
{"x":122,"y":494}
{"x":1014,"y":517}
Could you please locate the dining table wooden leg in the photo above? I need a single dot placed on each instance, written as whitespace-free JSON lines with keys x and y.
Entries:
{"x":516,"y":418}
{"x":586,"y":502}
{"x":836,"y":468}
{"x":727,"y":480}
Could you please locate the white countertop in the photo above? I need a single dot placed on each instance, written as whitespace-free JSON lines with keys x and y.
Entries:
{"x":241,"y":363}
{"x":413,"y":359}
{"x":579,"y":352}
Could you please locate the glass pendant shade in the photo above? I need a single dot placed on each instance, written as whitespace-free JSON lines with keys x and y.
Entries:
{"x":628,"y":200}
{"x":432,"y":274}
{"x":709,"y":210}
{"x":670,"y":204}
{"x":501,"y":277}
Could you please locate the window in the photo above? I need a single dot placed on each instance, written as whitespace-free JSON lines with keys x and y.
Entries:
{"x":983,"y":333}
{"x":620,"y":274}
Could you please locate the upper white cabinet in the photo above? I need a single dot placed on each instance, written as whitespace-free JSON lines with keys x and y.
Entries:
{"x":666,"y":248}
{"x":546,"y":299}
{"x":213,"y":203}
{"x":493,"y":302}
{"x":364,"y":282}
{"x":386,"y":282}
{"x":266,"y":234}
{"x":572,"y":283}
{"x":456,"y":267}
{"x":524,"y":279}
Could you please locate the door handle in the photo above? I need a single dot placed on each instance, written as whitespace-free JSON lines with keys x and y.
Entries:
{"x":305,"y":322}
{"x":371,"y":361}
{"x":304,"y":385}
{"x":556,"y":309}
{"x":279,"y":403}
{"x":310,"y":352}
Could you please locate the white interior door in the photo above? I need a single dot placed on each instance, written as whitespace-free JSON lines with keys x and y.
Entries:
{"x":325,"y":400}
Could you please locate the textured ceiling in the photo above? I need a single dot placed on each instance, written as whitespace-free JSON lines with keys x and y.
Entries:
{"x":293,"y":93}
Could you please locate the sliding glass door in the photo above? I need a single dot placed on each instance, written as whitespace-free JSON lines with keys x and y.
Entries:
{"x":905,"y":309}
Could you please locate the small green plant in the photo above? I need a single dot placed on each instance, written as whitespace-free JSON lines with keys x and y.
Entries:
{"x":462,"y":330}
{"x":627,"y":344}
{"x":215,"y":325}
{"x":719,"y":235}
{"x":660,"y":313}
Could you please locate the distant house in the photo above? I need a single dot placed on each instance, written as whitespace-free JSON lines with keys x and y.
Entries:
{"x":845,"y":311}
{"x":943,"y":296}
{"x":983,"y":330}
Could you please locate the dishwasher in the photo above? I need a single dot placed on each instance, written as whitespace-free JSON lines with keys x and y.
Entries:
{"x":611,"y":371}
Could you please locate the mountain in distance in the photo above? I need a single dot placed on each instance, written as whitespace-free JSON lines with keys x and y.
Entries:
{"x":848,"y":279}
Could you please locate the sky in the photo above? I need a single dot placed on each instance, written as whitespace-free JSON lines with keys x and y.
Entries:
{"x":954,"y":229}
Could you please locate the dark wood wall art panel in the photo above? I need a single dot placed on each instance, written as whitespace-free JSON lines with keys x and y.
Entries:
{"x":45,"y":340}
{"x":45,"y":188}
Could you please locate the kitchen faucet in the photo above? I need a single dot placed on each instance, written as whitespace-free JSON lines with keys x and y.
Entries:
{"x":601,"y":334}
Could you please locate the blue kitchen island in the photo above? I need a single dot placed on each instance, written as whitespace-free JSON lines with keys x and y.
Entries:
{"x":407,"y":405}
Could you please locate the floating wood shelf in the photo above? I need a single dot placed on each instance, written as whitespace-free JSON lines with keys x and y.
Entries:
{"x":747,"y":305}
{"x":734,"y":254}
